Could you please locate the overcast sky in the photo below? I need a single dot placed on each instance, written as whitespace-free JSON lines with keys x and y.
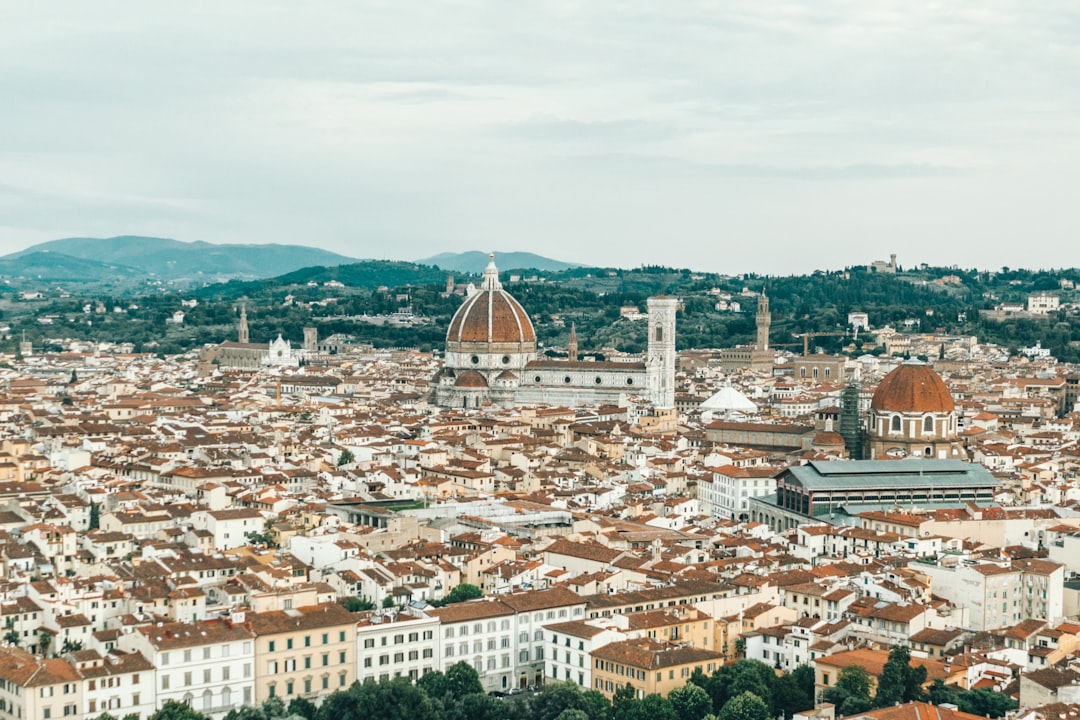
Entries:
{"x":727,"y":136}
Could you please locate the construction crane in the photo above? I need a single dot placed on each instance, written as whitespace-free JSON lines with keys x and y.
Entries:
{"x":807,"y":335}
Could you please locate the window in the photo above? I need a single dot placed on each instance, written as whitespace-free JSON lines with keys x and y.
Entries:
{"x":341,"y":657}
{"x":326,"y":638}
{"x":325,"y":659}
{"x":341,"y":636}
{"x":894,"y":424}
{"x":164,"y":682}
{"x":270,"y":646}
{"x":928,"y":424}
{"x":370,"y":642}
{"x":307,"y":641}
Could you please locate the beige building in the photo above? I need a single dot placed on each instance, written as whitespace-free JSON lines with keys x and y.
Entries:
{"x":649,"y":666}
{"x":307,"y":652}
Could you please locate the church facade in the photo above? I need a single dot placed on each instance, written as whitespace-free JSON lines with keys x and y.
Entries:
{"x":491,"y":357}
{"x":246,"y":355}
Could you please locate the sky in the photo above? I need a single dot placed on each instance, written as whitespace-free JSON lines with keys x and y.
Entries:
{"x":738,"y":136}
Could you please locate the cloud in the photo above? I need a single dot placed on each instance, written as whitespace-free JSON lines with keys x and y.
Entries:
{"x":734,"y":135}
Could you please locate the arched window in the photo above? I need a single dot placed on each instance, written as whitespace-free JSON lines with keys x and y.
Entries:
{"x":207,"y":700}
{"x":659,"y":334}
{"x":894,"y":424}
{"x":928,"y":424}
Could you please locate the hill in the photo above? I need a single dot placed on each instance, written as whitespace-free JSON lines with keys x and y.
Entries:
{"x":368,"y":274}
{"x":167,"y":259}
{"x":55,"y":266}
{"x":475,"y":262}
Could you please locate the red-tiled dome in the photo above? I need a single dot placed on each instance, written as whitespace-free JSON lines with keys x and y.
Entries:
{"x":491,"y":315}
{"x":913,"y":388}
{"x":470,"y":379}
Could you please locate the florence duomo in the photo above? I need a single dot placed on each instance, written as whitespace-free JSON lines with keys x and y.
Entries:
{"x":491,"y":357}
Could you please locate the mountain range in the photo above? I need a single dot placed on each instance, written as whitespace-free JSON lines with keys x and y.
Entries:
{"x":137,"y":258}
{"x":475,"y":261}
{"x":161,"y":258}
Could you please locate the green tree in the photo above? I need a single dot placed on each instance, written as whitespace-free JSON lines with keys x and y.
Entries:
{"x":461,"y":593}
{"x":463,"y":679}
{"x":985,"y":703}
{"x":302,"y":708}
{"x":434,"y":684}
{"x":11,"y":637}
{"x":559,"y":697}
{"x":804,"y":676}
{"x":572,"y":714}
{"x":45,"y":639}
{"x":745,"y":706}
{"x":355,"y":604}
{"x":95,"y":516}
{"x":345,"y":457}
{"x":899,"y":681}
{"x":940,"y":693}
{"x":475,"y":706}
{"x":690,"y":702}
{"x":273,"y":707}
{"x":788,"y":696}
{"x":173,"y":710}
{"x":851,"y":693}
{"x":388,"y":601}
{"x":752,"y":676}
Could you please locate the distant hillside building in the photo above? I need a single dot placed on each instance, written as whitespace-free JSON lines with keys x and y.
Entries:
{"x":491,"y":358}
{"x":884,"y":267}
{"x":1043,"y":303}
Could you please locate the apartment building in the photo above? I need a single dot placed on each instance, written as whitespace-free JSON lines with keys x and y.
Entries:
{"x":392,"y":644}
{"x":209,"y":665}
{"x":306,"y":652}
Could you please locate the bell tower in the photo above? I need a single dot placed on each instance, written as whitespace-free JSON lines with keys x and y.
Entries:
{"x":660,"y":362}
{"x":242,"y":331}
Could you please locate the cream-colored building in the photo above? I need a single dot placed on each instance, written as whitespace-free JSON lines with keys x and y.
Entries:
{"x":649,"y":666}
{"x":306,"y":652}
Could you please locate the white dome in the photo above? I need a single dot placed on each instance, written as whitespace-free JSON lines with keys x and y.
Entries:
{"x":728,"y":399}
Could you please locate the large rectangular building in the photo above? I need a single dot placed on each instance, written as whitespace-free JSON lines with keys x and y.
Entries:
{"x":835,"y":491}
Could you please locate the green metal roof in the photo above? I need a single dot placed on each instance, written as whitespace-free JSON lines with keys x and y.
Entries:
{"x":880,"y":474}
